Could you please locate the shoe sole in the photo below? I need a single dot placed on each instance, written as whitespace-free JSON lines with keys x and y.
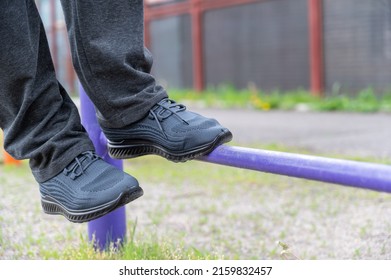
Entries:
{"x":53,"y":207}
{"x":126,"y":150}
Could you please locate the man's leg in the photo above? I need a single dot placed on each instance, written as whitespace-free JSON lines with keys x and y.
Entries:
{"x":41,"y":124}
{"x":39,"y":120}
{"x":108,"y":53}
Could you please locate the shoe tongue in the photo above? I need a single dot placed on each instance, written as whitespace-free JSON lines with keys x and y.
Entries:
{"x":80,"y":163}
{"x":165,"y":108}
{"x":165,"y":102}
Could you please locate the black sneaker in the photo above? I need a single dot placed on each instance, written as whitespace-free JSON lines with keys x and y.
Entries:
{"x":88,"y":188}
{"x":169,"y":130}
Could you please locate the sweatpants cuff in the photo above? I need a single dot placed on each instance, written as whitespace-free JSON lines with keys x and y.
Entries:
{"x":130,"y":115}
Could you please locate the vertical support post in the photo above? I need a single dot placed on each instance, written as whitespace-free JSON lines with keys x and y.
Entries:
{"x":315,"y":16}
{"x":53,"y":19}
{"x":70,"y":72}
{"x":110,"y":228}
{"x":147,"y":34}
{"x":197,"y":44}
{"x":147,"y":27}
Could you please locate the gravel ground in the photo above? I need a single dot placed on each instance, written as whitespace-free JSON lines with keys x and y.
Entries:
{"x":237,"y":214}
{"x":240,"y":215}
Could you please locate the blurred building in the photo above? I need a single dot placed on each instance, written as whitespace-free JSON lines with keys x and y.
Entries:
{"x":274,"y":44}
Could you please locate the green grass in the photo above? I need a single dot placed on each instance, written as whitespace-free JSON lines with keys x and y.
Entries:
{"x":225,"y":180}
{"x":366,"y":100}
{"x":149,"y":248}
{"x":204,"y":193}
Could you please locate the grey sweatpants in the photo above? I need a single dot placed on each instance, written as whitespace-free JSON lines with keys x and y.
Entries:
{"x":39,"y":120}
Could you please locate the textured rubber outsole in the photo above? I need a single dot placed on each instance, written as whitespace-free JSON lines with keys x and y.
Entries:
{"x":126,"y":151}
{"x":53,"y":207}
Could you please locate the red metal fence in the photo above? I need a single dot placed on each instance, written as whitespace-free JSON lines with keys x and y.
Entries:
{"x":329,"y":53}
{"x":196,"y":8}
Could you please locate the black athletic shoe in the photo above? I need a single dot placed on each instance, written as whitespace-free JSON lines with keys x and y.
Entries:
{"x":170,"y":131}
{"x":88,"y":188}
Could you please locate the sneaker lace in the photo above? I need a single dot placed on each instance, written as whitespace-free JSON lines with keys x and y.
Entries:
{"x":80,"y":164}
{"x":164,"y":109}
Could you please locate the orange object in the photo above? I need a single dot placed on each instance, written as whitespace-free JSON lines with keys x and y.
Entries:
{"x":8,"y":159}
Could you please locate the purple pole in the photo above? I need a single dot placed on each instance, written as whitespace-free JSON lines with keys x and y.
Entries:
{"x":344,"y":172}
{"x":111,"y":227}
{"x":377,"y":177}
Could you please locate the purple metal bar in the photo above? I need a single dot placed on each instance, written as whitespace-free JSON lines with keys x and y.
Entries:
{"x":377,"y":177}
{"x":111,"y":227}
{"x":371,"y":176}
